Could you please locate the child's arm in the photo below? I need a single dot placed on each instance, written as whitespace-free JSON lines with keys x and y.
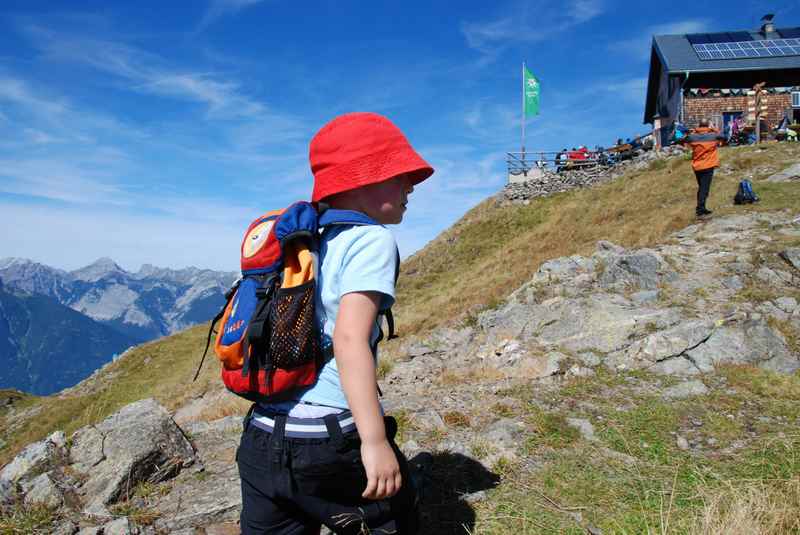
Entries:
{"x":351,"y":337}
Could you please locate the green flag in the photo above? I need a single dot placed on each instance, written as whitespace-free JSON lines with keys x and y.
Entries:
{"x":531,"y":88}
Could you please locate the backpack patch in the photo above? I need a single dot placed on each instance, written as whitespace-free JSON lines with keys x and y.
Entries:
{"x":745,"y":193}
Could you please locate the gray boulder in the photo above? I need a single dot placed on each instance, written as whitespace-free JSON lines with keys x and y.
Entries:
{"x":140,"y":442}
{"x":201,"y":505}
{"x":211,"y":497}
{"x":664,"y":351}
{"x":87,"y":449}
{"x":788,"y":174}
{"x":639,"y":269}
{"x":748,"y":342}
{"x":562,"y":269}
{"x":600,"y":323}
{"x":792,"y":255}
{"x":537,"y":366}
{"x":503,"y":436}
{"x":685,"y":390}
{"x":34,"y":458}
{"x":584,"y":427}
{"x":120,"y":526}
{"x":42,"y":490}
{"x":787,"y":304}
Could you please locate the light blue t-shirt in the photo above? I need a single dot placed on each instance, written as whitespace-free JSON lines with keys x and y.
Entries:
{"x":353,"y":258}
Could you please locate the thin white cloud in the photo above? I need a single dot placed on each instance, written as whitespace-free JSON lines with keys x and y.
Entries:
{"x":631,"y":89}
{"x":526,"y":22}
{"x":38,"y":137}
{"x":484,"y":36}
{"x":55,"y":111}
{"x":581,"y":11}
{"x":16,"y":91}
{"x":639,"y":46}
{"x":149,"y":73}
{"x":223,"y":98}
{"x":489,"y":122}
{"x":220,"y":8}
{"x":60,"y":180}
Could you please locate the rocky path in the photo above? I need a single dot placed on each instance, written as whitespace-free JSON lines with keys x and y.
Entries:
{"x":722,"y":291}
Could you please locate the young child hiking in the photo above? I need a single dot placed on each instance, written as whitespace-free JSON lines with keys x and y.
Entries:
{"x":328,"y":456}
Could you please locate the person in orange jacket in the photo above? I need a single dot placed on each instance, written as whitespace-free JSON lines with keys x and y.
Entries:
{"x":703,"y":141}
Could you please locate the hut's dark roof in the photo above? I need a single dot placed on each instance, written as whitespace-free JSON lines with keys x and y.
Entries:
{"x":677,"y":55}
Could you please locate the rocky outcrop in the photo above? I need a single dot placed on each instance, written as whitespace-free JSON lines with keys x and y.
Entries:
{"x":139,"y":443}
{"x":720,"y":292}
{"x":100,"y":465}
{"x":788,"y":174}
{"x":33,"y":460}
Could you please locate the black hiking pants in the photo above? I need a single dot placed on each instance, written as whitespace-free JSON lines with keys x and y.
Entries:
{"x":290,"y":486}
{"x":703,"y":188}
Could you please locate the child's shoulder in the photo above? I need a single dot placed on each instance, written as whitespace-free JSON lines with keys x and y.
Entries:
{"x":357,"y":247}
{"x":363,"y":237}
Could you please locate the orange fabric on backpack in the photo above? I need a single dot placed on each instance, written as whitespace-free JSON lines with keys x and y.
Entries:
{"x":229,"y":355}
{"x":298,"y":265}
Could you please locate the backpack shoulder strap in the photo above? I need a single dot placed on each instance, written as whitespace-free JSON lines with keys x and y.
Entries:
{"x":336,"y":216}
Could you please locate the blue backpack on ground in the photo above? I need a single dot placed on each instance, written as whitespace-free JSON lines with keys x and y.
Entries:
{"x":745,"y":193}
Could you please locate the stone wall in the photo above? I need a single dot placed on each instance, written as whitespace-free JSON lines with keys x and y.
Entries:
{"x":697,"y":107}
{"x":547,"y":182}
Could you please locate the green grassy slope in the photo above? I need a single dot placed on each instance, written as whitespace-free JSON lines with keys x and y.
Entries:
{"x":742,"y":476}
{"x":493,"y":249}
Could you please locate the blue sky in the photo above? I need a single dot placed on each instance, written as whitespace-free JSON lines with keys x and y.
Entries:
{"x":153,"y":132}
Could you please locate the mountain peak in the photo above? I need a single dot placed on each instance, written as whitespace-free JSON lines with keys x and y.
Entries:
{"x":97,"y":270}
{"x":14,"y":261}
{"x":106,"y":263}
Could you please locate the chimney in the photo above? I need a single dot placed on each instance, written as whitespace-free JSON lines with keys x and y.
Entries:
{"x":767,"y":27}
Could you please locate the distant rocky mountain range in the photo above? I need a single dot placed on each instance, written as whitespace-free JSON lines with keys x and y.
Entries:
{"x":101,"y":305}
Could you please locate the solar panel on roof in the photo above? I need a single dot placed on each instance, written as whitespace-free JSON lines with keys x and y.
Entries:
{"x":789,"y":32}
{"x":740,"y":36}
{"x":747,"y":49}
{"x":722,"y":37}
{"x":698,"y":38}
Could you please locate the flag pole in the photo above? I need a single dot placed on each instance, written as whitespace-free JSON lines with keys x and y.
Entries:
{"x":523,"y":114}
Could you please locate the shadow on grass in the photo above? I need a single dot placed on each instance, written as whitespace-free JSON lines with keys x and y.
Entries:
{"x":451,"y":477}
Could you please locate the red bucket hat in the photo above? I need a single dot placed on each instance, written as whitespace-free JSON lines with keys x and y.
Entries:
{"x":357,"y":149}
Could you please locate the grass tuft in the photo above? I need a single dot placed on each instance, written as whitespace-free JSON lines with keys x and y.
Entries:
{"x":19,"y":519}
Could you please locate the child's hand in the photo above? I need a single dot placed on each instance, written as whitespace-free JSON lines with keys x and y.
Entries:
{"x":383,"y":472}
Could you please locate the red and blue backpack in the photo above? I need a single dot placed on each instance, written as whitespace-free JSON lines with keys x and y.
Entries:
{"x":270,"y":341}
